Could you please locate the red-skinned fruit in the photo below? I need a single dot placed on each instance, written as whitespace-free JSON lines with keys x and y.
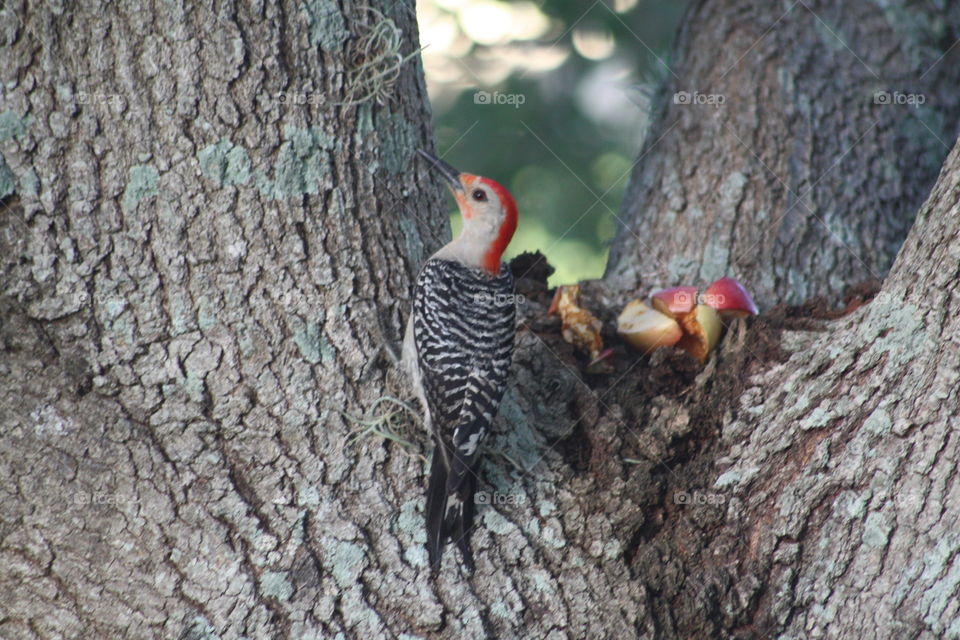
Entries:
{"x":730,"y":298}
{"x":675,"y":301}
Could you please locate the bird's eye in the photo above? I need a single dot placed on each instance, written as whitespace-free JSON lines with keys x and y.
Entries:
{"x":479,"y":195}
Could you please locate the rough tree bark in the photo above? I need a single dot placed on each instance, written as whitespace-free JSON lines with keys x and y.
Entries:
{"x":200,"y":250}
{"x":807,"y":176}
{"x":198,"y":246}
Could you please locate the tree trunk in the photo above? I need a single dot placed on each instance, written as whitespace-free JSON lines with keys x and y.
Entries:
{"x":200,"y":246}
{"x":791,"y":151}
{"x":204,"y":239}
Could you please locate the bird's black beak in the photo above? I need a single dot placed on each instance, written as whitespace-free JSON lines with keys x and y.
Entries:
{"x":451,"y":175}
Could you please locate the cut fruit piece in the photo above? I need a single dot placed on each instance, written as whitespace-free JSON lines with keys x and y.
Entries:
{"x":730,"y":298}
{"x":578,"y":327}
{"x":646,"y":329}
{"x":675,"y":301}
{"x":701,"y":331}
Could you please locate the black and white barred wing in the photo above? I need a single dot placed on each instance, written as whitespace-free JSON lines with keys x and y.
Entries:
{"x":464,"y":334}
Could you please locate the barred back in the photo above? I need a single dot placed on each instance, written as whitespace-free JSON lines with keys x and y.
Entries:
{"x":464,"y":326}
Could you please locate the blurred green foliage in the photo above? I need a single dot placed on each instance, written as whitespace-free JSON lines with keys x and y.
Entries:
{"x":566,"y":152}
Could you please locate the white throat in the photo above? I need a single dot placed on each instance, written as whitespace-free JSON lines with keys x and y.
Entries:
{"x":471,"y":245}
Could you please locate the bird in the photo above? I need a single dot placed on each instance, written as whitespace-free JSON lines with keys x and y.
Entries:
{"x":458,"y":347}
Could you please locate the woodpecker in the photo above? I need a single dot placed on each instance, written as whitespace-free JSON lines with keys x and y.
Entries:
{"x":457,"y":349}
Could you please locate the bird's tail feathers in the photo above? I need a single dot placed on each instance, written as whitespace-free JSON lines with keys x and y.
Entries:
{"x":450,"y":512}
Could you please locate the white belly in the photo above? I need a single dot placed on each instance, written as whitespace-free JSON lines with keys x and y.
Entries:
{"x":411,"y":364}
